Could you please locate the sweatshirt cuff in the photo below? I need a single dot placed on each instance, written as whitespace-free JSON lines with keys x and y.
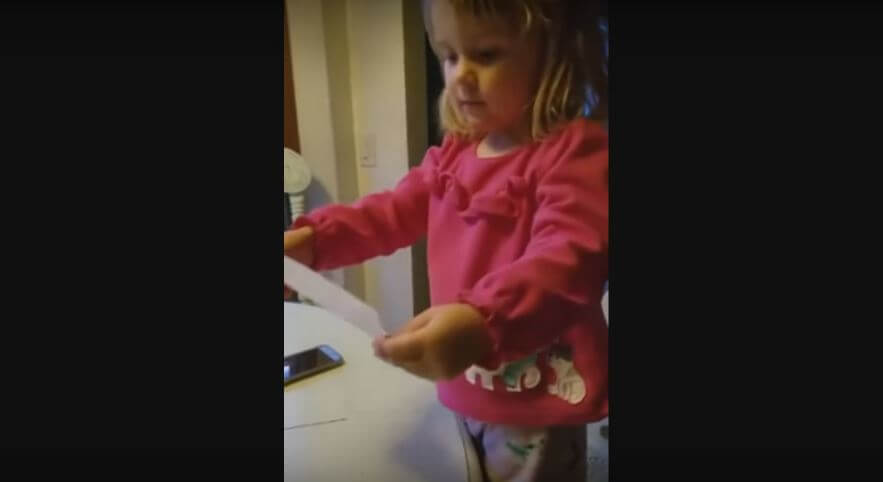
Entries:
{"x":308,"y":221}
{"x":495,"y":328}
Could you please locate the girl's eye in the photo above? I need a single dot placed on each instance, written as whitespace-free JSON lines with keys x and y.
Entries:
{"x":487,"y":55}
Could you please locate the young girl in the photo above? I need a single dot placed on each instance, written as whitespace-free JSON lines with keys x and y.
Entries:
{"x":514,"y":204}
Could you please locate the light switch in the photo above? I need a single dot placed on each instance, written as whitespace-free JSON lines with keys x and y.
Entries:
{"x":367,"y":151}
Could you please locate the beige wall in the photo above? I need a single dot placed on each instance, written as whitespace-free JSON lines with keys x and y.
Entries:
{"x":349,"y":60}
{"x":334,"y":18}
{"x":311,"y":94}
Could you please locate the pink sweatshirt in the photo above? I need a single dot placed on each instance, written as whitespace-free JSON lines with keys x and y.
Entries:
{"x":523,"y":237}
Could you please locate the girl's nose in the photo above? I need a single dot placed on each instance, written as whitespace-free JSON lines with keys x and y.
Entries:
{"x":464,"y":74}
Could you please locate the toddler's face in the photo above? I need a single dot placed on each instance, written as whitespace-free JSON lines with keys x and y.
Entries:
{"x":490,"y":69}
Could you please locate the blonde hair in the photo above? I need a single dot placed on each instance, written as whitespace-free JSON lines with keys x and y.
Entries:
{"x":572,"y":78}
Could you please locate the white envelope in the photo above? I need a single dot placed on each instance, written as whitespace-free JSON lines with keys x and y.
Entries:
{"x":331,"y":297}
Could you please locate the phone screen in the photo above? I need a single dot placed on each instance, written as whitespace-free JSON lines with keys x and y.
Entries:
{"x":308,"y":362}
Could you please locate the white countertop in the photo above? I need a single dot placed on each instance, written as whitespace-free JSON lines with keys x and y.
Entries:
{"x":366,"y":420}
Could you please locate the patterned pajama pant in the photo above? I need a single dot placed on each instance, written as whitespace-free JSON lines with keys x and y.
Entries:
{"x":521,"y":454}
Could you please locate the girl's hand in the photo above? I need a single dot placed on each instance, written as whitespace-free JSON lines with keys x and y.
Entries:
{"x":439,"y":343}
{"x":298,"y":245}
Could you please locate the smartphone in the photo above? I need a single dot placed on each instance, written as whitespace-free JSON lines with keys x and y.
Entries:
{"x":309,"y":362}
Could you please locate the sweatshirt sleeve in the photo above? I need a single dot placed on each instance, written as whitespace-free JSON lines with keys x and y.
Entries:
{"x":376,"y":225}
{"x":559,"y":278}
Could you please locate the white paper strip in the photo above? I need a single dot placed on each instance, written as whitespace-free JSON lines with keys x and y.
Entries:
{"x":331,"y":297}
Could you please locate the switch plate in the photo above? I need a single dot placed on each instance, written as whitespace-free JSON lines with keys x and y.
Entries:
{"x":368,"y":151}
